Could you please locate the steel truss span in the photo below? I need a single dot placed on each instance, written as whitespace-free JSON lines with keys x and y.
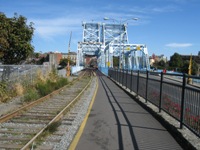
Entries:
{"x":106,"y":41}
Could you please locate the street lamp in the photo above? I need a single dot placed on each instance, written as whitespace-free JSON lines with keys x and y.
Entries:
{"x":120,"y":22}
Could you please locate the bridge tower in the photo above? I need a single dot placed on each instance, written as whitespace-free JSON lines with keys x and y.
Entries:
{"x":113,"y":34}
{"x":106,"y":41}
{"x":91,"y":42}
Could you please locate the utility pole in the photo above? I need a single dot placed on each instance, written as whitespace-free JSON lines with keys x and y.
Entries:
{"x":68,"y":69}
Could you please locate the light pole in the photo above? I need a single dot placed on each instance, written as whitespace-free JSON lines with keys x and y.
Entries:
{"x":68,"y":58}
{"x":121,"y":58}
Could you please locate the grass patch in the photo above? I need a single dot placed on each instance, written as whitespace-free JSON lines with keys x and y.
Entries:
{"x":61,"y":82}
{"x":3,"y":92}
{"x":49,"y":86}
{"x":31,"y":94}
{"x":44,"y":88}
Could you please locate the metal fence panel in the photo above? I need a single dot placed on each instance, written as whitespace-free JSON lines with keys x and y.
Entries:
{"x":142,"y":87}
{"x":128,"y":80}
{"x":153,"y":92}
{"x":192,"y":110}
{"x":134,"y":83}
{"x":171,"y":99}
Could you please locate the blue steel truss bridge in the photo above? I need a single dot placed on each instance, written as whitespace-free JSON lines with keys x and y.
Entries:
{"x":108,"y":41}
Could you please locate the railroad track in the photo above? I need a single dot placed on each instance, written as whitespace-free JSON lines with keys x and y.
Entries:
{"x":22,"y":128}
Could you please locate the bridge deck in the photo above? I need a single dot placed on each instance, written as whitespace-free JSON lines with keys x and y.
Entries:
{"x":116,"y":121}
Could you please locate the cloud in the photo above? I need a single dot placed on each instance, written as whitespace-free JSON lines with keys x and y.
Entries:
{"x":49,"y":25}
{"x":47,"y":28}
{"x":179,"y":45}
{"x":153,"y":9}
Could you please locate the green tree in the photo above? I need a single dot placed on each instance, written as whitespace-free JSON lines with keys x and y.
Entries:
{"x":194,"y":68}
{"x":3,"y":34}
{"x":64,"y":61}
{"x":15,"y":39}
{"x":186,"y":66}
{"x":176,"y":61}
{"x":160,"y":64}
{"x":36,"y":55}
{"x":184,"y":69}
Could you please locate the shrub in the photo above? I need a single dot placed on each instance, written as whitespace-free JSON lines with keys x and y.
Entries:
{"x":43,"y":88}
{"x":40,"y":76}
{"x":31,"y":94}
{"x":44,"y":85}
{"x":18,"y":89}
{"x":61,"y":82}
{"x":49,"y":86}
{"x":3,"y":93}
{"x":53,"y":76}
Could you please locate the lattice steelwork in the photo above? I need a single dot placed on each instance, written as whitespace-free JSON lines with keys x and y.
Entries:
{"x":106,"y":41}
{"x":91,"y":42}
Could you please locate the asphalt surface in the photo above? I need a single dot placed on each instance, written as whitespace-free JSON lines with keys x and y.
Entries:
{"x":117,"y":122}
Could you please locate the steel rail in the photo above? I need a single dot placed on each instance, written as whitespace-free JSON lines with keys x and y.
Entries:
{"x":18,"y":111}
{"x":57,"y":117}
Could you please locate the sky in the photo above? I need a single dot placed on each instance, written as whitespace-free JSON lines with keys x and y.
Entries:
{"x":165,"y":26}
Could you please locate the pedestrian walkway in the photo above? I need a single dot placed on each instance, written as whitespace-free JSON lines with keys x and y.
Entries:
{"x":117,"y":122}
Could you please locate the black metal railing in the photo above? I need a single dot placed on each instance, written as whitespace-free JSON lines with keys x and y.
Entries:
{"x":168,"y":91}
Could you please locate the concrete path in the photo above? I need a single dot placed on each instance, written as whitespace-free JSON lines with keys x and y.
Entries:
{"x":117,"y":122}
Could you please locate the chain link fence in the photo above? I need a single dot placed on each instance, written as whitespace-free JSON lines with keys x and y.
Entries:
{"x":25,"y":74}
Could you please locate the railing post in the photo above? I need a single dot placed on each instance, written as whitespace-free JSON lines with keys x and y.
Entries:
{"x":182,"y":101}
{"x":112,"y":72}
{"x":122,"y":77}
{"x":126,"y":77}
{"x":118,"y":75}
{"x":147,"y":78}
{"x":160,"y":100}
{"x":138,"y":75}
{"x":131,"y":80}
{"x":115,"y":74}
